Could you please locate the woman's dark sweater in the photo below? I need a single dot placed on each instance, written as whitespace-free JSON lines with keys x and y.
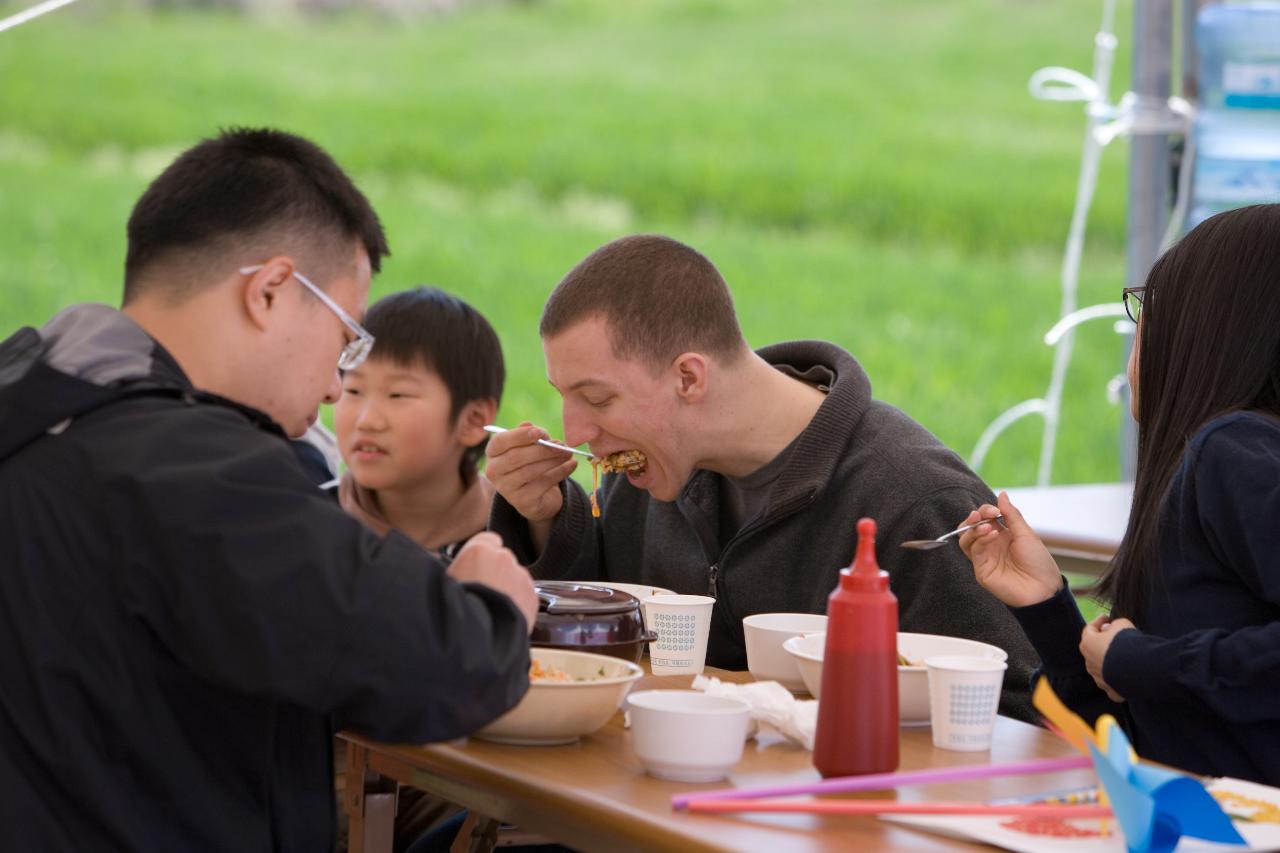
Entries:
{"x":1201,"y":674}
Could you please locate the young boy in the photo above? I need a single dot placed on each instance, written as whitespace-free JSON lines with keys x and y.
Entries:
{"x":410,"y":424}
{"x":410,"y":420}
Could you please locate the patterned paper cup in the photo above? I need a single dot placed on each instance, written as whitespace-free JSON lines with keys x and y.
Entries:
{"x":682,"y":623}
{"x":964,"y":693}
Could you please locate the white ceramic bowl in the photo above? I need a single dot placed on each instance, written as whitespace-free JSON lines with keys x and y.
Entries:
{"x":562,"y":711}
{"x":913,"y":681}
{"x":639,"y":590}
{"x":687,"y":735}
{"x":765,"y":633}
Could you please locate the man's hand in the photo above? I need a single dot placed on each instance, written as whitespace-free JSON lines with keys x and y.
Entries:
{"x":528,"y":476}
{"x":526,"y":473}
{"x":1010,"y":562}
{"x":484,"y":560}
{"x":1094,"y":642}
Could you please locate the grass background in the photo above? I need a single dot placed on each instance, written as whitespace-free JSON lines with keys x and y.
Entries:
{"x":870,"y":173}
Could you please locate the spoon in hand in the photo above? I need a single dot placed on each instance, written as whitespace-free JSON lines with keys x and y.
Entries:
{"x":558,"y":446}
{"x":930,"y":544}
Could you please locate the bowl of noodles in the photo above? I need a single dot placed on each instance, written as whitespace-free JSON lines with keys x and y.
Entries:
{"x":913,"y":676}
{"x":571,"y":694}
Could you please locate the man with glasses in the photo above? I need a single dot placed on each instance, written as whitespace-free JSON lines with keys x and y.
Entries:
{"x":184,"y":618}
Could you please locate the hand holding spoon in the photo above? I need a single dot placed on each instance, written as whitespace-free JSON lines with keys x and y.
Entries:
{"x":544,"y":442}
{"x":930,"y":544}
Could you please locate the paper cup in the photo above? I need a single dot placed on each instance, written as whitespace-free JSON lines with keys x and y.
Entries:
{"x":964,"y":693}
{"x":682,"y":623}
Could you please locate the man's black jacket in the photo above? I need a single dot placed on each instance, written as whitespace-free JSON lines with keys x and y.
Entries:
{"x":185,"y":618}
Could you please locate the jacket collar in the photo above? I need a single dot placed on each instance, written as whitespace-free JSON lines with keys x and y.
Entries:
{"x":103,"y":346}
{"x":817,"y":451}
{"x":86,"y":357}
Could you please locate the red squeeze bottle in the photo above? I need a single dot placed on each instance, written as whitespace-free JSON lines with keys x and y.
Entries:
{"x":858,"y":713}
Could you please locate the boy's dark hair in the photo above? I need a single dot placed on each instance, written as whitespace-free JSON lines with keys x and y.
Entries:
{"x":659,"y":298}
{"x":243,"y":192}
{"x":426,"y":327}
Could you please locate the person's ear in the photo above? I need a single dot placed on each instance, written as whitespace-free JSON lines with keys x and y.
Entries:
{"x":690,"y":372}
{"x":472,"y":420}
{"x":262,"y":288}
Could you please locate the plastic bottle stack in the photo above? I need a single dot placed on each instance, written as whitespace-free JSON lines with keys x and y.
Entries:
{"x":858,"y":713}
{"x":1237,"y":158}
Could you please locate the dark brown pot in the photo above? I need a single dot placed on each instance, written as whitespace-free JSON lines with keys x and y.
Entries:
{"x":587,"y":618}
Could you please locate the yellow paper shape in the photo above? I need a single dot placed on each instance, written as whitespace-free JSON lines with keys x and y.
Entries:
{"x":1103,"y":735}
{"x":1067,"y":722}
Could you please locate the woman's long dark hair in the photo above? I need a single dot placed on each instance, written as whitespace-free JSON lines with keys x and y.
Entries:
{"x":1209,"y":344}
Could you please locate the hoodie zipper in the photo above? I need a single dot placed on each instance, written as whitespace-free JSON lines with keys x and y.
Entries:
{"x":713,"y":571}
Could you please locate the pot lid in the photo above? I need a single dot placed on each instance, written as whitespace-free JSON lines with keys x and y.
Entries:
{"x":569,"y":597}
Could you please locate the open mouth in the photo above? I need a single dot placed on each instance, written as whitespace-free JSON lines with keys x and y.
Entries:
{"x":633,"y":463}
{"x":625,"y":462}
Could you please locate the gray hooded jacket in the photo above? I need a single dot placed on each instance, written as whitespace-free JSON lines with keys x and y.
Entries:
{"x":857,"y":458}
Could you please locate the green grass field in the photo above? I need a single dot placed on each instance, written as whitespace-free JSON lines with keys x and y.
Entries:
{"x":871,"y":173}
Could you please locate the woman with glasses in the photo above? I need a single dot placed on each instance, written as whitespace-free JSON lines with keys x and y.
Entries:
{"x":1189,"y":658}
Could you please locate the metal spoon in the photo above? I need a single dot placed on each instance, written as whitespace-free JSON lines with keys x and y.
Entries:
{"x":930,"y":544}
{"x":544,"y":442}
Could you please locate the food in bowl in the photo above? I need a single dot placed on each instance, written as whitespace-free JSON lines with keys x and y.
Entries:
{"x":562,"y":709}
{"x":913,"y":679}
{"x":538,"y":671}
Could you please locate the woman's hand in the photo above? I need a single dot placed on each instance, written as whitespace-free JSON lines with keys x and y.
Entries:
{"x":1010,"y":562}
{"x":1094,"y":642}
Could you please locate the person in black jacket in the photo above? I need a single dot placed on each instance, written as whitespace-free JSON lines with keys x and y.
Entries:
{"x":184,"y":617}
{"x":1188,"y":660}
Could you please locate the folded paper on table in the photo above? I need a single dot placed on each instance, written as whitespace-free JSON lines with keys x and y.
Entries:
{"x":1155,"y":807}
{"x":1255,"y":807}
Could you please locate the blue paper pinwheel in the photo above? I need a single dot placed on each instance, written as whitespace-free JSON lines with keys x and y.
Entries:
{"x":1154,"y":807}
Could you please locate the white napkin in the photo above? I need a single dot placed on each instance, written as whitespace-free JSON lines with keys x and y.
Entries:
{"x":773,"y":709}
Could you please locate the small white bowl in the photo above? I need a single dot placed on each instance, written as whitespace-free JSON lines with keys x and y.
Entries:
{"x":913,"y":681}
{"x":765,"y":633}
{"x":639,"y":590}
{"x":554,"y":712}
{"x":687,"y":735}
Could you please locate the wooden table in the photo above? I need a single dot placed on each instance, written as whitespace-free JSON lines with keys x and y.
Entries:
{"x":594,"y":795}
{"x":1081,"y":525}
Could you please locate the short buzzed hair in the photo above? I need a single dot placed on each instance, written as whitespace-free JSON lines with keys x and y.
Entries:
{"x":247,"y":190}
{"x":658,"y":297}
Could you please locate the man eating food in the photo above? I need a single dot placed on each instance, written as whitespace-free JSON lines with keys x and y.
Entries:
{"x":731,"y":472}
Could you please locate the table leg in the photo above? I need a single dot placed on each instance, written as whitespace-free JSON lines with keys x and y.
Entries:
{"x":353,"y":796}
{"x":478,"y":834}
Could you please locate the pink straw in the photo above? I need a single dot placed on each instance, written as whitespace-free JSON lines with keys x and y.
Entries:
{"x":885,"y":781}
{"x":878,"y":807}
